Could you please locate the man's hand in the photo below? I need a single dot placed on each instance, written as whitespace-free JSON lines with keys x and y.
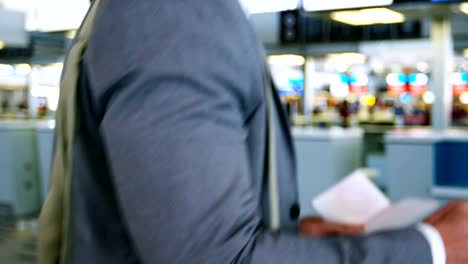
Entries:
{"x":317,"y":227}
{"x":452,"y":224}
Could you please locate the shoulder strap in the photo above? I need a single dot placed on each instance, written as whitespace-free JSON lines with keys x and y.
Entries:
{"x":273,"y":190}
{"x":55,"y":234}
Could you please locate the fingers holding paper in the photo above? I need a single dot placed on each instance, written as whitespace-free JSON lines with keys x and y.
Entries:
{"x":318,"y":227}
{"x":441,"y":213}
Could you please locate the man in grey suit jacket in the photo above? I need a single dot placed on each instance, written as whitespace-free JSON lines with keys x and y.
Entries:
{"x":169,"y":162}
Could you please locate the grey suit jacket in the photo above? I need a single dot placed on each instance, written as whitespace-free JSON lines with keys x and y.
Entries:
{"x":169,"y":161}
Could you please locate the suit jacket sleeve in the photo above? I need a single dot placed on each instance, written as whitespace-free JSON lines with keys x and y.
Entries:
{"x":175,"y":138}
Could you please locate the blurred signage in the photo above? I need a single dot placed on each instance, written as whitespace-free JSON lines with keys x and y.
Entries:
{"x":291,"y":27}
{"x":294,"y":87}
{"x":396,"y":84}
{"x":459,"y":82}
{"x":410,"y":29}
{"x":343,"y":32}
{"x":288,"y":79}
{"x":357,"y":89}
{"x":355,"y":84}
{"x":322,"y":5}
{"x":358,"y":84}
{"x":418,"y":90}
{"x":380,"y":31}
{"x":459,"y":89}
{"x":396,"y":90}
{"x":418,"y":83}
{"x":320,"y":31}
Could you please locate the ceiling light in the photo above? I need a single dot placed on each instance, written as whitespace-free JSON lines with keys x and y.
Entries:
{"x":320,"y":5}
{"x":268,"y":6}
{"x":2,"y":45}
{"x":22,"y":69}
{"x":429,"y":97}
{"x":423,"y":66}
{"x":57,"y":65}
{"x":464,"y":8}
{"x":369,"y":16}
{"x":348,"y":58}
{"x":464,"y":98}
{"x":6,"y":70}
{"x":342,"y":67}
{"x":378,"y":67}
{"x":289,"y":59}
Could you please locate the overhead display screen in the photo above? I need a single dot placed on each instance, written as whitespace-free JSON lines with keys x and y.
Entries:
{"x":321,"y":5}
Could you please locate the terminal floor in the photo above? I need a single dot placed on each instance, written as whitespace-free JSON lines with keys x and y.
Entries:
{"x":17,"y":241}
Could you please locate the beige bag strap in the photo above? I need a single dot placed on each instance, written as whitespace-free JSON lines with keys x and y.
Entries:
{"x":55,"y":234}
{"x":273,"y":188}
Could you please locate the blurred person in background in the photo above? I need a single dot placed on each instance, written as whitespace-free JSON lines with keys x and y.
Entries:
{"x":345,"y":113}
{"x":166,"y":161}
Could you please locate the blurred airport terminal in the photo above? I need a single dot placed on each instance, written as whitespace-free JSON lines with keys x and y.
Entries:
{"x":375,"y":85}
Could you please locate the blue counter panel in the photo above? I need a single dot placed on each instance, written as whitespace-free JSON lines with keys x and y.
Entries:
{"x":451,"y":166}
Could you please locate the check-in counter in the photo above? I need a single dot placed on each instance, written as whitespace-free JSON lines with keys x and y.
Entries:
{"x":19,"y":174}
{"x":324,"y":156}
{"x":425,"y":163}
{"x":25,"y":164}
{"x":45,"y":143}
